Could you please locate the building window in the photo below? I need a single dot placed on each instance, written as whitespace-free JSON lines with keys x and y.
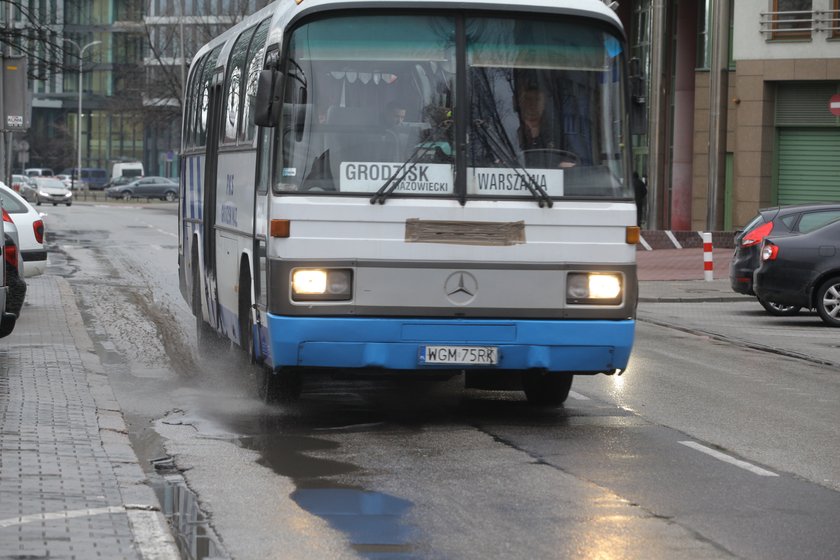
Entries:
{"x":833,"y":20}
{"x":791,"y":19}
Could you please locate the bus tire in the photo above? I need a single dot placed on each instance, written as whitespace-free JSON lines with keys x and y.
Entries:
{"x":546,"y":389}
{"x":282,"y":385}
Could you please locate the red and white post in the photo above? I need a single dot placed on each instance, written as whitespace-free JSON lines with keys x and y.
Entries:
{"x":708,"y":257}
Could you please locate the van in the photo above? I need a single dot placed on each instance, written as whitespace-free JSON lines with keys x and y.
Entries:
{"x":127,"y":169}
{"x":38,"y":172}
{"x":92,"y":178}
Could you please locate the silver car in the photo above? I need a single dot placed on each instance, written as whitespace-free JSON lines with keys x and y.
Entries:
{"x":49,"y":189}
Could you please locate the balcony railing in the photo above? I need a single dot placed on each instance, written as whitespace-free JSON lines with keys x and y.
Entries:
{"x":800,"y":24}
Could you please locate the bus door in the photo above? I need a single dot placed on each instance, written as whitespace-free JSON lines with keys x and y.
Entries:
{"x":265,"y":151}
{"x":210,"y":167}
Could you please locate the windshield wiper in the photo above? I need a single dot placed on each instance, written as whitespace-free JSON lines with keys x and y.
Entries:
{"x":403,"y":170}
{"x":498,"y":150}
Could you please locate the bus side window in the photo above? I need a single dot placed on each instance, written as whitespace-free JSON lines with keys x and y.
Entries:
{"x":234,"y":86}
{"x":253,"y":65}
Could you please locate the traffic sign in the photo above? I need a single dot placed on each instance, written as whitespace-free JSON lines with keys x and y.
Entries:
{"x":834,"y":104}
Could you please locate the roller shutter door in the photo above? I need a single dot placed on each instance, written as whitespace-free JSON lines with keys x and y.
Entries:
{"x":809,"y":165}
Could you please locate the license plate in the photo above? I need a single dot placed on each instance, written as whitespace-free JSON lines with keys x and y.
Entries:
{"x":462,"y":355}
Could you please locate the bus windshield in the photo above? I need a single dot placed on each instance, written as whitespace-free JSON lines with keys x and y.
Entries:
{"x":371,"y":101}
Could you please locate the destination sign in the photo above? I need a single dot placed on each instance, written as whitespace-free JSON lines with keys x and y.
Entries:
{"x":421,"y":178}
{"x":497,"y":181}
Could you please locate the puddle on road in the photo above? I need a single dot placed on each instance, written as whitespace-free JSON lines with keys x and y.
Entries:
{"x":192,"y":533}
{"x":373,"y":521}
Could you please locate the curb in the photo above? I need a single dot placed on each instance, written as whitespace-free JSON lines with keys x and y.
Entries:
{"x":711,"y":299}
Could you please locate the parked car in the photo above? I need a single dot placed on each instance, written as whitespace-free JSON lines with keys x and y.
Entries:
{"x":803,"y":271}
{"x":121,"y":180}
{"x":7,"y":320}
{"x":133,"y":169}
{"x":30,"y":229}
{"x":38,"y":172}
{"x":778,"y":221}
{"x":13,"y":268}
{"x":49,"y":189}
{"x":147,"y":187}
{"x":67,"y":180}
{"x":20,"y":182}
{"x":91,"y":178}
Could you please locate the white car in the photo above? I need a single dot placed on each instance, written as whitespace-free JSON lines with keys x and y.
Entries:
{"x":30,"y":230}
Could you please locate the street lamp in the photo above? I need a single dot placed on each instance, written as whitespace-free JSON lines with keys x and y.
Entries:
{"x":78,"y":175}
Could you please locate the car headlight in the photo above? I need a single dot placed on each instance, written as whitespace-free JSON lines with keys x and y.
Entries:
{"x":318,"y":284}
{"x":593,"y":288}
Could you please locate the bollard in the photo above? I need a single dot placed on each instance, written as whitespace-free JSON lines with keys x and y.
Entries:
{"x":708,"y":257}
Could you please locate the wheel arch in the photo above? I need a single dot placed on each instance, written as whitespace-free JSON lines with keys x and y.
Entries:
{"x":823,"y":277}
{"x":196,"y":266}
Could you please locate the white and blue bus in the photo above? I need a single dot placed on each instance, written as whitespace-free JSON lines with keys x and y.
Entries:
{"x":421,"y":186}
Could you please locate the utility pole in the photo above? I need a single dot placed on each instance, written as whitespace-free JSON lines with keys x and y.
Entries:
{"x":718,"y":94}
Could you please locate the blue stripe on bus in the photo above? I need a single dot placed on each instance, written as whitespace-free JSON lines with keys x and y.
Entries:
{"x":390,"y":343}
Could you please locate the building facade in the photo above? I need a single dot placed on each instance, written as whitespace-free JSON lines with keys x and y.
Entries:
{"x":135,"y":57}
{"x":738,"y":99}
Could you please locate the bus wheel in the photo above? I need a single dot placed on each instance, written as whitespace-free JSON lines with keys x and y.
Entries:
{"x":546,"y":389}
{"x":281,"y":385}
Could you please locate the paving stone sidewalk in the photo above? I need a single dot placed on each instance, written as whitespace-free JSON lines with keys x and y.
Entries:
{"x":70,"y":483}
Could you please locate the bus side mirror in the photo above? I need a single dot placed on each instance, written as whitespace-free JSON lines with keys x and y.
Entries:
{"x":638,"y":102}
{"x":268,"y":103}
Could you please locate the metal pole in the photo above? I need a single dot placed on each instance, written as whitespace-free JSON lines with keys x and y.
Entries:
{"x":657,"y":215}
{"x":718,"y":93}
{"x":78,"y":174}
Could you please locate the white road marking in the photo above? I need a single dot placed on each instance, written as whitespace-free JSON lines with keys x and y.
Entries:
{"x":728,"y":459}
{"x":578,"y":396}
{"x":644,"y":243}
{"x":23,"y":519}
{"x":673,"y":239}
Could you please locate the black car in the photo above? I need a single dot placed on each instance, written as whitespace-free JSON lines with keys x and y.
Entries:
{"x":803,"y":271}
{"x":14,"y":279}
{"x":777,"y":221}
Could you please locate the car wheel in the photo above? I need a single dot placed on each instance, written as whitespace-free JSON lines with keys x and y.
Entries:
{"x":778,"y":309}
{"x":546,"y":389}
{"x":828,"y":301}
{"x":125,"y":195}
{"x":169,"y":197}
{"x":69,"y":203}
{"x":55,"y":203}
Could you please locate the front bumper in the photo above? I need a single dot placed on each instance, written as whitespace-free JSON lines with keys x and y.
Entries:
{"x":55,"y":199}
{"x":395,"y":343}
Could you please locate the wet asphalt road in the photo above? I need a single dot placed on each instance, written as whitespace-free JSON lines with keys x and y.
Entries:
{"x":703,"y":449}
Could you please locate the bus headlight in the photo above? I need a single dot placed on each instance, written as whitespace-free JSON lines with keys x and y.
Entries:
{"x":589,"y":288}
{"x":316,"y":284}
